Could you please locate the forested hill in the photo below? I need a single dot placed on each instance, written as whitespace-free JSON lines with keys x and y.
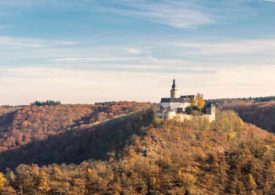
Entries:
{"x":22,"y":125}
{"x":79,"y":144}
{"x":139,"y":154}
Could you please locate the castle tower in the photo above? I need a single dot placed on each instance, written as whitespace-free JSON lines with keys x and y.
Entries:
{"x":174,"y":91}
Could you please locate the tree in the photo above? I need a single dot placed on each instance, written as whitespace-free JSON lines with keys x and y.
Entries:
{"x":44,"y":183}
{"x":5,"y":188}
{"x":2,"y":180}
{"x":200,"y":101}
{"x":10,"y":176}
{"x":46,"y":103}
{"x":252,"y":183}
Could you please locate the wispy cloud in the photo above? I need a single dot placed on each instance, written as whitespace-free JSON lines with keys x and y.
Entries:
{"x":134,"y":50}
{"x":31,"y":42}
{"x":272,"y":1}
{"x":16,"y":3}
{"x":173,"y":13}
{"x":95,"y":59}
{"x":21,"y":42}
{"x":229,"y":47}
{"x":19,"y":3}
{"x":193,"y":56}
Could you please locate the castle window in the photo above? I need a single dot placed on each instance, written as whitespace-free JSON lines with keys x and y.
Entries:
{"x":179,"y":110}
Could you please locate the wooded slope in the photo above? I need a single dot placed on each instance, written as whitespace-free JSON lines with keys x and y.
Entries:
{"x":22,"y":125}
{"x":142,"y":155}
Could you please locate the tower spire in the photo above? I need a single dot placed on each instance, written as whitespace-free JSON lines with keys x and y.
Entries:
{"x":174,"y":84}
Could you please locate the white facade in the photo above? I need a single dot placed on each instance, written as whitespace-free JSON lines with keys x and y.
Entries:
{"x":175,"y":105}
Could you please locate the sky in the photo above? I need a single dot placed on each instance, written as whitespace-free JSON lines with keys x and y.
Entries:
{"x":86,"y":51}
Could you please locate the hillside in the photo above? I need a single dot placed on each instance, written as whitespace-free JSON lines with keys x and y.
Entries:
{"x":138,"y":154}
{"x":261,"y":114}
{"x":22,"y":125}
{"x":77,"y":145}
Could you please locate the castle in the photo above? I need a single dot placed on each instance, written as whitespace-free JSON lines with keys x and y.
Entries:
{"x":185,"y":107}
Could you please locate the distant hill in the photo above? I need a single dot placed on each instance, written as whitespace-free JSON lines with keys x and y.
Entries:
{"x":261,"y":114}
{"x":22,"y":125}
{"x":250,"y":100}
{"x":138,"y":154}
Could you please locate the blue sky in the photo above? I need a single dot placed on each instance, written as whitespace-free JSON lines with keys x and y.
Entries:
{"x":84,"y":51}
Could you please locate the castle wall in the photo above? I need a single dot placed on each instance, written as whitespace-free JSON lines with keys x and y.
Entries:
{"x":171,"y":115}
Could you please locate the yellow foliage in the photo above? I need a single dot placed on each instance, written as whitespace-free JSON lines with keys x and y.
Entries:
{"x":44,"y":182}
{"x":90,"y":171}
{"x":252,"y":182}
{"x":2,"y":180}
{"x":153,"y":181}
{"x":180,"y":172}
{"x":229,"y":121}
{"x":57,"y":172}
{"x":201,"y":103}
{"x":188,"y":181}
{"x":231,"y":134}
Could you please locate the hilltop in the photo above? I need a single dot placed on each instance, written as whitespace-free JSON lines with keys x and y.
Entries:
{"x":138,"y":154}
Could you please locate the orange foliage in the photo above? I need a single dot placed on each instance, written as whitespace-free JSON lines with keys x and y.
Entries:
{"x":166,"y":157}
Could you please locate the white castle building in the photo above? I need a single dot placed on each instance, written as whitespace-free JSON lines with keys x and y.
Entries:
{"x":176,"y":106}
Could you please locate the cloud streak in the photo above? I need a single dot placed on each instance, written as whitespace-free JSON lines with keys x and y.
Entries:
{"x":185,"y":56}
{"x":95,"y":59}
{"x":229,"y":47}
{"x":22,"y":42}
{"x":272,"y":1}
{"x":173,"y":13}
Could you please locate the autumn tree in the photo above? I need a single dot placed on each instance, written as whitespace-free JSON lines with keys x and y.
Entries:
{"x":2,"y":180}
{"x":200,"y":101}
{"x":44,"y":182}
{"x":5,"y":188}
